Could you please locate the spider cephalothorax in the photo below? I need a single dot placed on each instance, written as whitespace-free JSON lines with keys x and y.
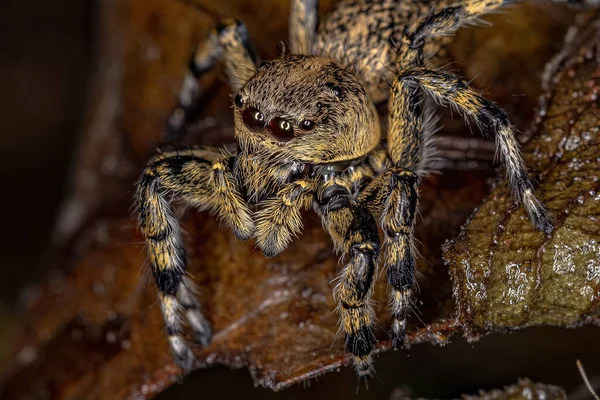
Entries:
{"x":306,"y":109}
{"x":309,"y":136}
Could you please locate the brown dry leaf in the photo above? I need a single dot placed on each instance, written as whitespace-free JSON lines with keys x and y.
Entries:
{"x":274,"y":315}
{"x":508,"y":275}
{"x":92,"y":329}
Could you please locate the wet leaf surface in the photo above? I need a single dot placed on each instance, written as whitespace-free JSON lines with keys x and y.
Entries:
{"x":523,"y":390}
{"x":506,"y":274}
{"x":93,"y":329}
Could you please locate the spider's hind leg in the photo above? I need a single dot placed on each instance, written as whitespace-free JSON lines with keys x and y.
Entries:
{"x":230,"y":43}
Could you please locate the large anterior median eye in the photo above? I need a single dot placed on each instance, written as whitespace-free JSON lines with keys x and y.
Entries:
{"x":281,"y":129}
{"x":253,"y":118}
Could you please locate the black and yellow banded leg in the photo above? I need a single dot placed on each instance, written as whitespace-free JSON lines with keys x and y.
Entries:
{"x":448,"y":89}
{"x":393,"y":197}
{"x":396,"y":197}
{"x":279,"y":219}
{"x":397,"y":220}
{"x":405,"y":121}
{"x":228,"y":43}
{"x":202,"y":179}
{"x":303,"y":25}
{"x":447,"y":20}
{"x":443,"y":22}
{"x":354,"y":233}
{"x":191,"y":310}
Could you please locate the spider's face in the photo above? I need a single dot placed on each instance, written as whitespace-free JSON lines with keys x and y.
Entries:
{"x":307,"y":109}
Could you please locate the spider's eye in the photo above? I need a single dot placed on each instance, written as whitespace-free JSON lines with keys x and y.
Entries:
{"x":238,"y":100}
{"x":307,"y":125}
{"x":253,"y":118}
{"x":281,"y":129}
{"x":337,"y":91}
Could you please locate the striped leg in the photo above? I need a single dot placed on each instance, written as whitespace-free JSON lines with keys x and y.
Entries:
{"x":397,"y":221}
{"x":449,"y":89}
{"x":441,"y":23}
{"x":303,"y":25}
{"x":230,"y":43}
{"x":397,"y":194}
{"x":354,"y":233}
{"x":393,"y":196}
{"x":191,"y":309}
{"x":202,"y":179}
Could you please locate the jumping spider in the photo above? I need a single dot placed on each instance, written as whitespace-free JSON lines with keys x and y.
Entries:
{"x":309,"y":135}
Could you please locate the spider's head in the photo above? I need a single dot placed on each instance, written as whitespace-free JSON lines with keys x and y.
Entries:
{"x":307,"y":109}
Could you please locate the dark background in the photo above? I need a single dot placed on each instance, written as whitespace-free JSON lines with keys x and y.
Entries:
{"x":46,"y":57}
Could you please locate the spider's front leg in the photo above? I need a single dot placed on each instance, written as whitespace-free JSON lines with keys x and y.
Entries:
{"x":394,"y":196}
{"x":354,"y":233}
{"x":229,"y":43}
{"x":202,"y":178}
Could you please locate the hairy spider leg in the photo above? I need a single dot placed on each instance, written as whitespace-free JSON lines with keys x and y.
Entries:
{"x":203,"y":179}
{"x":303,"y":25}
{"x":393,"y":196}
{"x":353,"y":231}
{"x":442,"y":22}
{"x":397,"y":222}
{"x":448,"y":89}
{"x":405,"y":144}
{"x":229,"y":43}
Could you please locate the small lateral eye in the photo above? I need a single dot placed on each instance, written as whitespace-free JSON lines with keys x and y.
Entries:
{"x":337,"y":91}
{"x":253,"y":118}
{"x":238,"y":100}
{"x":307,"y":125}
{"x":281,"y":129}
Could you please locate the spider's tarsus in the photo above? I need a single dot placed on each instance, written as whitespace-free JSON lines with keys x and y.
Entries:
{"x":203,"y":335}
{"x":537,"y":212}
{"x":544,"y":223}
{"x":364,"y":368}
{"x":185,"y":361}
{"x":182,"y":354}
{"x":398,"y":335}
